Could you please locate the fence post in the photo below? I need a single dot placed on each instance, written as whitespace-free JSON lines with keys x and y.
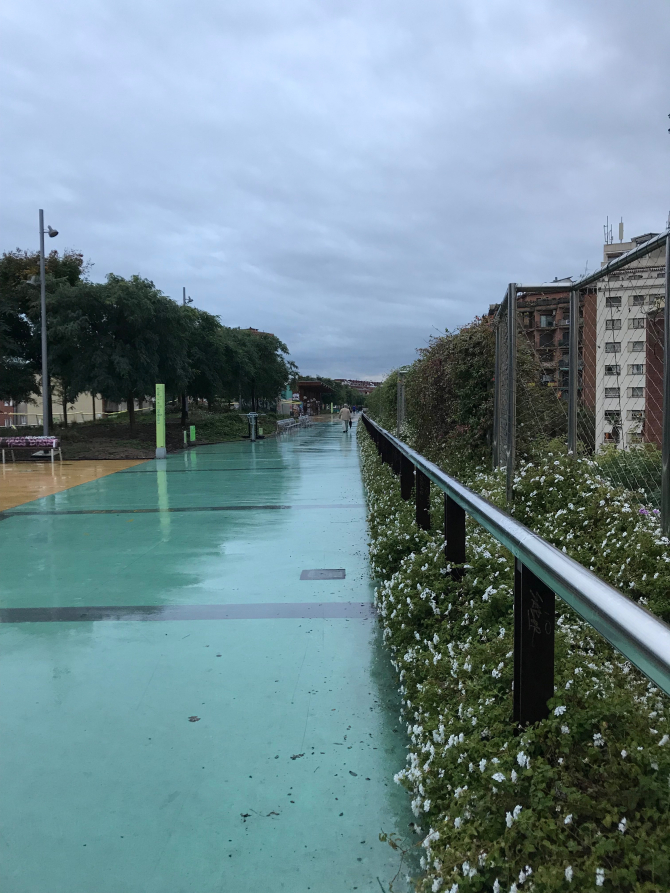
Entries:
{"x":422,"y":500}
{"x":534,"y":621}
{"x":496,"y":398}
{"x":406,"y":477}
{"x":573,"y":372}
{"x":400,"y":400}
{"x":454,"y":534}
{"x":665,"y":455}
{"x":511,"y":389}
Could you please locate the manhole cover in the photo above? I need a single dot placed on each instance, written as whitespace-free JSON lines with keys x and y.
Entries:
{"x":324,"y":573}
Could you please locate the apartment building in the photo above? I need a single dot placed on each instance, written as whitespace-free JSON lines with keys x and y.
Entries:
{"x":545,"y":320}
{"x":625,"y":300}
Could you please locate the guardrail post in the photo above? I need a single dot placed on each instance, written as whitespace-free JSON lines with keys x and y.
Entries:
{"x":397,"y":464}
{"x":534,"y":622}
{"x":454,"y":534}
{"x":422,"y":500}
{"x":406,"y":477}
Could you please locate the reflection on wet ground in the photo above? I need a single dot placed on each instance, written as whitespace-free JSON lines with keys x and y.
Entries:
{"x":249,"y":741}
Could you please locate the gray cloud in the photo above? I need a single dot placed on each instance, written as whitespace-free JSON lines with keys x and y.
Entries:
{"x":353,"y":176}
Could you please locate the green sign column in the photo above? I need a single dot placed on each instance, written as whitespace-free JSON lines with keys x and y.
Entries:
{"x":161,"y":452}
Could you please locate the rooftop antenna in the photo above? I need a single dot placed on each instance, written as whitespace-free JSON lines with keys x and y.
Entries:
{"x":621,"y":230}
{"x":609,"y":238}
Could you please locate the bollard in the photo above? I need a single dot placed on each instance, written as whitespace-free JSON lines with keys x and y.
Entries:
{"x":185,"y":438}
{"x":161,"y":452}
{"x":422,"y":486}
{"x":192,"y":432}
{"x":252,"y":416}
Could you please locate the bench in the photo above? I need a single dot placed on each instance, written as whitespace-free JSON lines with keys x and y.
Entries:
{"x":30,"y":443}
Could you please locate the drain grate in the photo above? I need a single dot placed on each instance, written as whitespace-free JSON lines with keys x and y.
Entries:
{"x":324,"y":573}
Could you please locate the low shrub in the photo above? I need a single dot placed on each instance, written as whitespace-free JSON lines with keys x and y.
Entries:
{"x":579,"y":801}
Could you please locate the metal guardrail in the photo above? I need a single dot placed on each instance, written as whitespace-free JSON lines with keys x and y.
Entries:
{"x":541,"y":571}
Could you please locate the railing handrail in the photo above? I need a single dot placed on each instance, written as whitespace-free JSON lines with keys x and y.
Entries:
{"x":634,"y":631}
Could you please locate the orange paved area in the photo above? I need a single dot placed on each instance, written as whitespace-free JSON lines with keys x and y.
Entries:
{"x":24,"y":481}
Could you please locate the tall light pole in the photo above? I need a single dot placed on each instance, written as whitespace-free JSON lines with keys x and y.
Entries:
{"x":184,"y":396}
{"x":43,"y":313}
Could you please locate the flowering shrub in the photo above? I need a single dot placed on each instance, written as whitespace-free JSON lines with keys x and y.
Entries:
{"x":579,"y":801}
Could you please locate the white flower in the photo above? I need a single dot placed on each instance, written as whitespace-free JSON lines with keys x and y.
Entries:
{"x":496,"y":886}
{"x":437,"y":883}
{"x":624,"y":754}
{"x":568,"y":874}
{"x":513,"y":776}
{"x":426,"y":805}
{"x":559,"y":711}
{"x":498,"y":777}
{"x":482,"y":765}
{"x":522,"y":876}
{"x":600,"y":877}
{"x":598,"y":739}
{"x":622,"y":825}
{"x":568,"y":819}
{"x":565,"y":730}
{"x":457,"y":822}
{"x":516,"y":811}
{"x":522,"y":759}
{"x":664,"y":740}
{"x":513,"y":889}
{"x":509,"y":820}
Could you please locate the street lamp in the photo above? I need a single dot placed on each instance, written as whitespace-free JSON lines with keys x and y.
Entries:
{"x":400,"y":402}
{"x":43,"y":312}
{"x":184,"y":396}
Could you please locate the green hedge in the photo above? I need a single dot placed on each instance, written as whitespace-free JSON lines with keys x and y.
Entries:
{"x":577,"y":802}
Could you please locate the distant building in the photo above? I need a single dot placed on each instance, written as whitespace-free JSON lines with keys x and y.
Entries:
{"x":363,"y":387}
{"x":625,"y":341}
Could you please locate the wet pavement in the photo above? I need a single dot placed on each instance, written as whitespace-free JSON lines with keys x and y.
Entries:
{"x":180,"y":711}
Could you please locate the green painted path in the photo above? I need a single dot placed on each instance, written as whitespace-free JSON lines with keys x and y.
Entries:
{"x":185,"y":579}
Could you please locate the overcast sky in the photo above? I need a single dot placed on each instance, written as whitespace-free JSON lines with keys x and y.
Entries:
{"x":352,"y":175}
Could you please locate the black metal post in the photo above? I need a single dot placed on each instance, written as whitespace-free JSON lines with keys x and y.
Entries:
{"x":534,"y":622}
{"x":454,"y":534}
{"x":422,"y":500}
{"x":406,"y":477}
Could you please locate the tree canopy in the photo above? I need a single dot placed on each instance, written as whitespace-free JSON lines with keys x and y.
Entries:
{"x":119,"y":337}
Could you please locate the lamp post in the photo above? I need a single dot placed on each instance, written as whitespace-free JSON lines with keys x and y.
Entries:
{"x":184,"y":396}
{"x":43,"y":313}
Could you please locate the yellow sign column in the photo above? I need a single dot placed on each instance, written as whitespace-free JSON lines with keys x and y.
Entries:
{"x":161,"y":452}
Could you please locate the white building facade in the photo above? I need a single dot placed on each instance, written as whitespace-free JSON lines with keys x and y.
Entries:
{"x":624,"y":299}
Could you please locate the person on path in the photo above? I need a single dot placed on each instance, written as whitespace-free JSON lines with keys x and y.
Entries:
{"x":345,"y":418}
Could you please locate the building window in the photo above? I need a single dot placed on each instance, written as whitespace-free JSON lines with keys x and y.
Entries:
{"x":636,"y":415}
{"x":637,"y":300}
{"x":636,"y":368}
{"x":637,"y":323}
{"x":613,"y":301}
{"x":546,"y":339}
{"x":611,"y":437}
{"x":634,"y":437}
{"x":611,"y":392}
{"x":546,"y":321}
{"x":636,"y":392}
{"x":612,"y":324}
{"x":612,"y":346}
{"x":613,"y":370}
{"x":613,"y":416}
{"x":635,"y":346}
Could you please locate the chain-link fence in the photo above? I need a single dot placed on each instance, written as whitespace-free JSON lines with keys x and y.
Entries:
{"x":587,"y":362}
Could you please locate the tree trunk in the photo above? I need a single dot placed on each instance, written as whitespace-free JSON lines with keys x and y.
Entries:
{"x":131,"y":411}
{"x":65,"y":409}
{"x":184,"y":410}
{"x":93,"y":398}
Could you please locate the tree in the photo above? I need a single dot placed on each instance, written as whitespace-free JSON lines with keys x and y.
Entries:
{"x":119,"y":338}
{"x":20,"y":316}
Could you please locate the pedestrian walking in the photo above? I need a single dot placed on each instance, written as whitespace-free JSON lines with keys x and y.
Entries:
{"x":345,"y":418}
